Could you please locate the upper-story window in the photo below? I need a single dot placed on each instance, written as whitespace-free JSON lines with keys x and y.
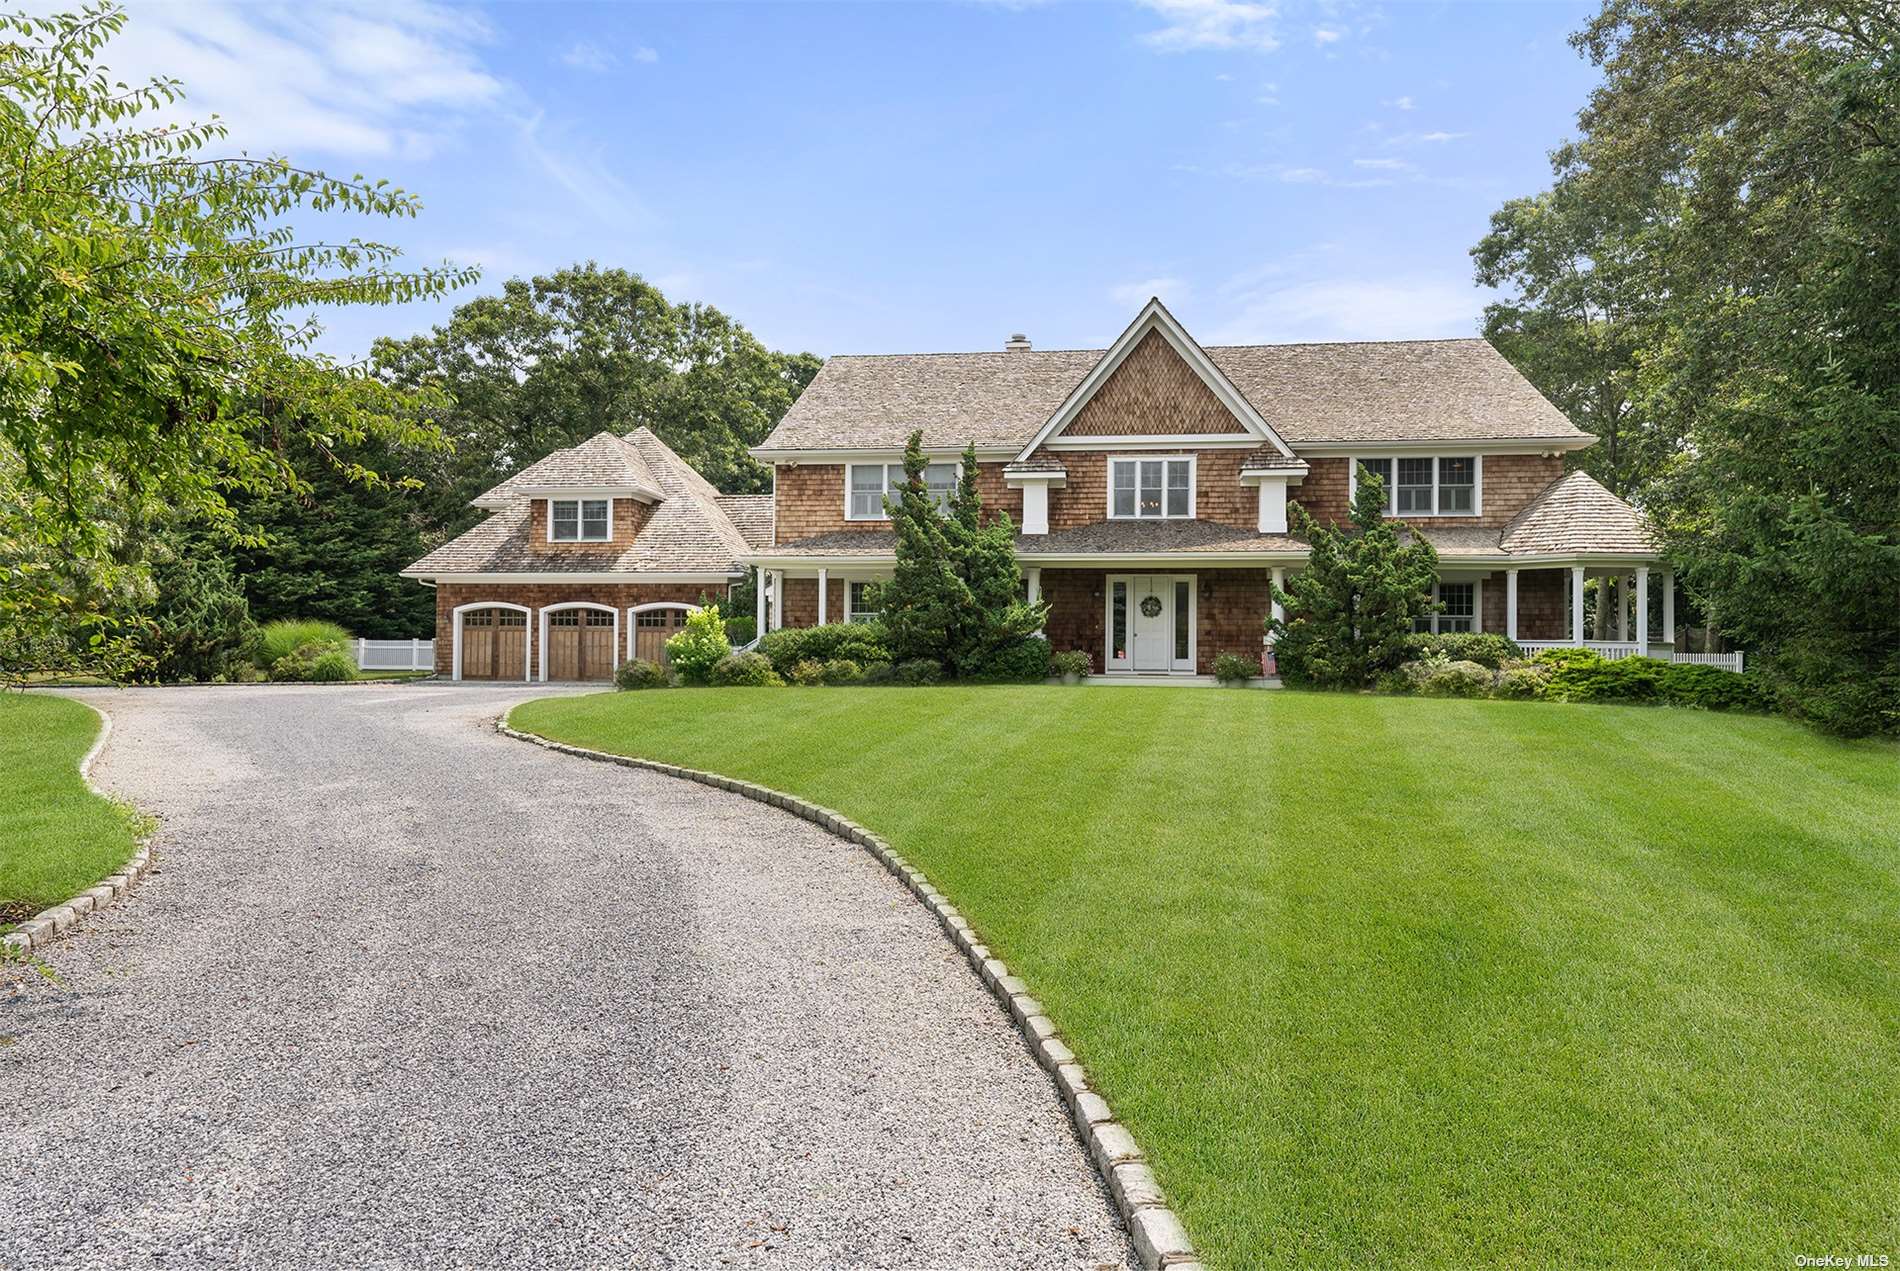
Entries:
{"x":579,"y":520}
{"x":866,"y":486}
{"x":1160,"y":487}
{"x":1425,"y":485}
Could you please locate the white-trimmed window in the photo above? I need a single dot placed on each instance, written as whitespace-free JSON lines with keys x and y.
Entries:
{"x":580,"y":520}
{"x":1460,"y":612}
{"x":1426,"y":485}
{"x":859,"y":601}
{"x":866,"y":485}
{"x":1160,"y":488}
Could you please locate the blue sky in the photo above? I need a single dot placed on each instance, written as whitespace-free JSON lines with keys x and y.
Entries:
{"x":900,"y":177}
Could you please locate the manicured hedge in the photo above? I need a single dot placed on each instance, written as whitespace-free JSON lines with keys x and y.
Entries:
{"x":861,"y":642}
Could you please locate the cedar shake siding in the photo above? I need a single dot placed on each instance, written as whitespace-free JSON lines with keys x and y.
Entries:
{"x":1152,"y":393}
{"x":618,"y":596}
{"x":1510,"y":483}
{"x":627,"y":517}
{"x":1231,"y":620}
{"x":810,"y":499}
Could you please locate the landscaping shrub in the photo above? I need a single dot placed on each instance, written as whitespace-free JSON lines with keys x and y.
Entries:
{"x":1523,"y":682}
{"x":862,"y":642}
{"x":917,"y":672}
{"x":700,"y":646}
{"x":1071,"y":662}
{"x":1624,"y":680}
{"x":842,"y":671}
{"x":637,"y":673}
{"x":807,"y":672}
{"x":1024,"y":661}
{"x":745,"y":670}
{"x":333,"y":667}
{"x":741,"y":629}
{"x":198,"y":625}
{"x":301,"y":663}
{"x":1484,"y":648}
{"x":284,"y":637}
{"x":1712,"y":688}
{"x":1558,"y":658}
{"x":1455,"y":679}
{"x":876,"y":673}
{"x":1235,"y":668}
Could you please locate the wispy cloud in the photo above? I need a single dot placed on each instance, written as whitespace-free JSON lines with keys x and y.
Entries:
{"x":1424,"y":138}
{"x":354,"y":79}
{"x":1352,"y":309}
{"x":588,"y":56}
{"x":1383,"y":165}
{"x":646,"y":54}
{"x":1399,"y":103}
{"x":1327,"y":35}
{"x":1214,"y":24}
{"x":1131,"y":295}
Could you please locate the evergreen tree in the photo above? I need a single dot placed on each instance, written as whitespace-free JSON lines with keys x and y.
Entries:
{"x":1349,"y":611}
{"x":198,"y":625}
{"x":956,"y":594}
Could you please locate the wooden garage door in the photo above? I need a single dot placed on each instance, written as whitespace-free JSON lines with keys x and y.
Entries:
{"x":580,"y":645}
{"x":494,"y":644}
{"x":652,"y":629}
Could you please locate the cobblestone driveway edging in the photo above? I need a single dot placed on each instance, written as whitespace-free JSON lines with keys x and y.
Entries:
{"x":41,"y":929}
{"x":1158,"y":1236}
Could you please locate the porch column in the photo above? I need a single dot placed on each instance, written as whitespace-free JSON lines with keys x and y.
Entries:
{"x":821,"y":595}
{"x":1276,"y":608}
{"x":778,"y":599}
{"x":1622,"y":610}
{"x":1035,"y":583}
{"x":1576,"y":604}
{"x":1669,"y":608}
{"x":1642,"y":609}
{"x":1510,"y":603}
{"x":759,"y":579}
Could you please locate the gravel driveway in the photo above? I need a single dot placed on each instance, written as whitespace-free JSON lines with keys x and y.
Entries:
{"x":405,"y":992}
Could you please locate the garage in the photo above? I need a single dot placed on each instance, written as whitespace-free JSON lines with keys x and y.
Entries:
{"x":652,"y":628}
{"x":580,"y":644}
{"x":494,"y":644}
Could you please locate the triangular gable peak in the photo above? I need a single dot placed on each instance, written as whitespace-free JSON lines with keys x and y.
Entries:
{"x":1155,"y":380}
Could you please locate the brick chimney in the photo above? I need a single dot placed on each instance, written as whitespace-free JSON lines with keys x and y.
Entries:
{"x":1018,"y":343}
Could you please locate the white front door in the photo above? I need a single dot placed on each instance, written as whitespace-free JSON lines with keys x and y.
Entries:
{"x":1150,"y":623}
{"x":1153,"y":621}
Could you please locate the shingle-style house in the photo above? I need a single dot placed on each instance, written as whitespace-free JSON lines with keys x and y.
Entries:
{"x":1148,"y":482}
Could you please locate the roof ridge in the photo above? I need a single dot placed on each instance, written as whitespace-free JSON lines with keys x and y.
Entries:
{"x":1266,"y":344}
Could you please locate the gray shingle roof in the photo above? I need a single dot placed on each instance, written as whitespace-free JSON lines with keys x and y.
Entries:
{"x":688,"y":530}
{"x":1576,"y":514}
{"x":751,"y":515}
{"x":1420,"y":390}
{"x":1104,"y":538}
{"x":603,"y":460}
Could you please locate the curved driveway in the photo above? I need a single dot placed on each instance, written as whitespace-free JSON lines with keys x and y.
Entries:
{"x":405,"y":992}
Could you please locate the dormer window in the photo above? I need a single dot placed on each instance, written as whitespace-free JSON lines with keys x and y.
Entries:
{"x":1160,"y":488}
{"x":580,"y":520}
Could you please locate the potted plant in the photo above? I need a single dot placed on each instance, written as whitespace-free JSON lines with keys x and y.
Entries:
{"x":1233,"y":670}
{"x":1070,"y":667}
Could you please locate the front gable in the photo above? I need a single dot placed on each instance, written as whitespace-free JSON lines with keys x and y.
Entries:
{"x":1155,"y":381}
{"x":1154,"y":392}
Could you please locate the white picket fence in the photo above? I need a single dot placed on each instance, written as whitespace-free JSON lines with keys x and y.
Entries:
{"x":1611,"y":650}
{"x":395,"y":655}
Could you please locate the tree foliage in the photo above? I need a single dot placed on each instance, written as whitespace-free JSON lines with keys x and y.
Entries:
{"x":1739,"y":171}
{"x":1350,"y":610}
{"x":955,"y":595}
{"x":156,"y":330}
{"x":198,"y":625}
{"x":553,"y":360}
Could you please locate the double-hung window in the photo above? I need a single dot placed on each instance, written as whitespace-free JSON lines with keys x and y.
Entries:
{"x":578,"y":521}
{"x":1424,"y":485}
{"x":1460,"y":612}
{"x":860,"y":602}
{"x":1151,"y":488}
{"x":868,"y":484}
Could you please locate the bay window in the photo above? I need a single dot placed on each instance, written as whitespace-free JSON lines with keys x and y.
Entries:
{"x":1161,"y":488}
{"x":1425,"y":485}
{"x":579,"y":521}
{"x":867,"y":485}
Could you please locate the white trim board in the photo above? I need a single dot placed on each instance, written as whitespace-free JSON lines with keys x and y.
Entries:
{"x":1154,"y":317}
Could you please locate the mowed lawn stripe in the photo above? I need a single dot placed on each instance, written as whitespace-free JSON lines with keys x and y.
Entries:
{"x":1399,"y":980}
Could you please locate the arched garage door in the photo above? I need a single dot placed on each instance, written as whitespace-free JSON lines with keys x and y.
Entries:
{"x":652,"y":628}
{"x":580,"y":644}
{"x":494,"y":644}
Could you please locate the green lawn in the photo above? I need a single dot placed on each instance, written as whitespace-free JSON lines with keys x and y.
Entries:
{"x":57,"y":837}
{"x":1403,"y":981}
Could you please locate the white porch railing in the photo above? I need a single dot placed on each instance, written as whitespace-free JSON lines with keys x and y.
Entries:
{"x":1611,"y":650}
{"x":395,"y":655}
